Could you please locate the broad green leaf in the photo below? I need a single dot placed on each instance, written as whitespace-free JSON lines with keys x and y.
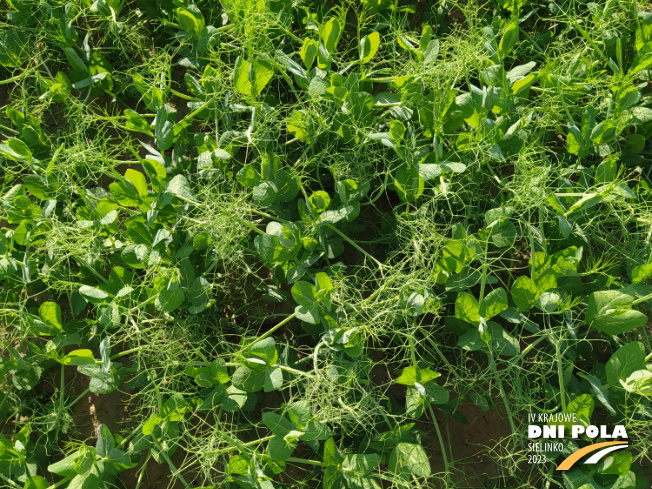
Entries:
{"x":610,"y":311}
{"x":16,"y":149}
{"x":235,"y":399}
{"x":37,"y":482}
{"x":79,"y":357}
{"x":467,"y":308}
{"x":251,"y":78}
{"x":323,"y":282}
{"x":627,"y":98}
{"x":369,"y":47}
{"x":494,"y":303}
{"x":75,"y":60}
{"x":504,"y":235}
{"x":248,"y":380}
{"x":639,"y":382}
{"x":617,"y":463}
{"x":308,"y":314}
{"x":177,"y":187}
{"x":319,"y":201}
{"x":606,"y":171}
{"x":502,"y":342}
{"x":273,"y":379}
{"x":191,"y":21}
{"x":524,"y":293}
{"x":169,"y":300}
{"x":409,"y":184}
{"x":641,"y":63}
{"x":603,"y":132}
{"x":409,"y":459}
{"x":125,"y":193}
{"x":509,"y":39}
{"x":582,"y":406}
{"x":50,"y":314}
{"x":66,"y":466}
{"x":138,"y":180}
{"x":308,"y":52}
{"x":265,"y":350}
{"x":93,"y":294}
{"x":641,"y":273}
{"x":304,"y":294}
{"x":524,"y":83}
{"x":331,"y":33}
{"x":626,"y":360}
{"x":280,"y":449}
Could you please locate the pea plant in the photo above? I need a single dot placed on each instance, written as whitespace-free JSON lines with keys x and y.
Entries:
{"x":275,"y":244}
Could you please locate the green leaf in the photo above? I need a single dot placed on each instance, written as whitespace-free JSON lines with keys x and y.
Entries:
{"x":509,"y":39}
{"x":582,"y":406}
{"x":319,"y":201}
{"x":79,"y":357}
{"x":524,"y":293}
{"x":606,"y":171}
{"x":639,"y":382}
{"x":50,"y":314}
{"x":235,"y":399}
{"x":409,"y":184}
{"x":138,"y":180}
{"x":251,"y":78}
{"x":273,"y":379}
{"x":641,"y":63}
{"x":331,"y":33}
{"x":641,"y":273}
{"x":308,"y":314}
{"x":75,"y":61}
{"x":248,"y":380}
{"x":625,"y":361}
{"x":603,"y":132}
{"x":308,"y":52}
{"x":66,"y":466}
{"x":369,"y":47}
{"x":16,"y":149}
{"x":125,"y":193}
{"x":265,"y":350}
{"x":169,"y":300}
{"x":304,"y":293}
{"x":191,"y":21}
{"x":407,"y":459}
{"x":177,"y":187}
{"x":93,"y":294}
{"x":467,"y":308}
{"x":37,"y":482}
{"x":279,"y":449}
{"x":502,"y":342}
{"x":163,"y":129}
{"x":504,"y":235}
{"x":610,"y":311}
{"x":494,"y":303}
{"x":627,"y":98}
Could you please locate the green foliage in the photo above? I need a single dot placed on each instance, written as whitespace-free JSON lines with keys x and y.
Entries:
{"x":301,"y":242}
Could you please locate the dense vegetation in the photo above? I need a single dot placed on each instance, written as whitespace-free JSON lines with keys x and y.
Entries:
{"x":266,"y":244}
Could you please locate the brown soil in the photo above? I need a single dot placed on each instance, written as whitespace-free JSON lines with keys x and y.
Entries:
{"x":475,"y":445}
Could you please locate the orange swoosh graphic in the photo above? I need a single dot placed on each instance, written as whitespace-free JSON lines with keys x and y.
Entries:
{"x":574,"y":457}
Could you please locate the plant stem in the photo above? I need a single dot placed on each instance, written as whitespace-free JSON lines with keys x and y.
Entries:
{"x":503,"y":395}
{"x":355,"y":245}
{"x":171,"y":464}
{"x":233,"y":448}
{"x":261,"y":338}
{"x":560,"y":374}
{"x":305,"y":461}
{"x":441,"y":444}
